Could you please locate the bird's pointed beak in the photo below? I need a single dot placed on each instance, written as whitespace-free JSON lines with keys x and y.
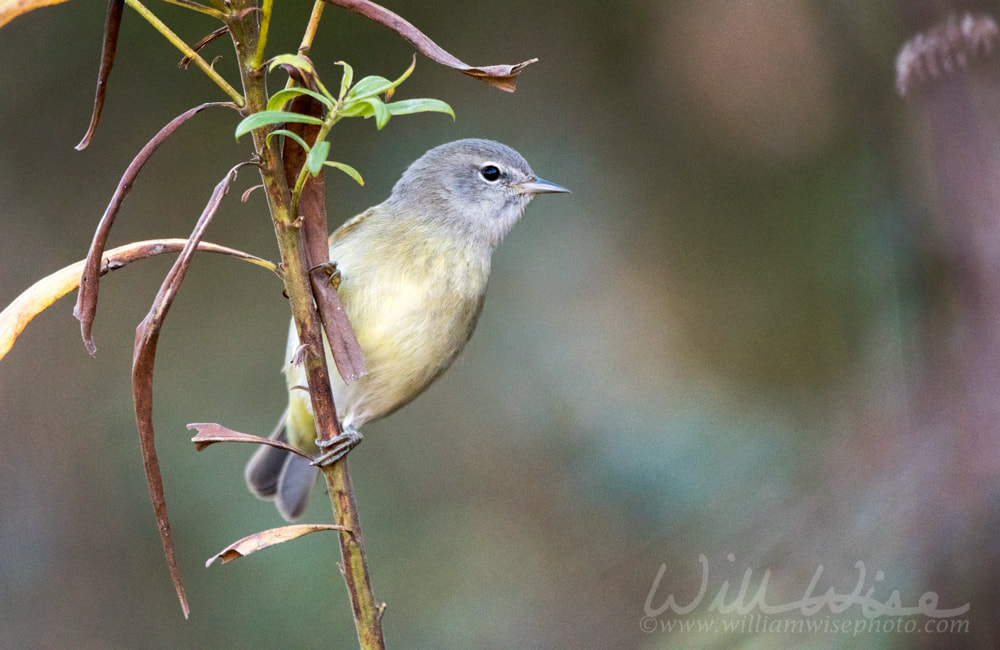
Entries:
{"x":539,"y":186}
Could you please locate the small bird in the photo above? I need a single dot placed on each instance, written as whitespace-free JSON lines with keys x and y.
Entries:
{"x":413,"y":272}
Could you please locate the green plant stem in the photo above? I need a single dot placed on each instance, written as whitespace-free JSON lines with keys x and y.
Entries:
{"x":265,"y":24}
{"x":179,"y":43}
{"x":300,"y":181}
{"x":290,"y":235}
{"x":367,"y":612}
{"x":310,"y":34}
{"x":195,"y":6}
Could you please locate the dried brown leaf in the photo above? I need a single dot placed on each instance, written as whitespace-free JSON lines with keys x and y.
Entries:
{"x":39,"y":296}
{"x":11,"y":9}
{"x":347,"y":355}
{"x":249,"y":191}
{"x":267,"y":538}
{"x":111,"y":24}
{"x":312,"y":201}
{"x":86,"y":301}
{"x":346,"y":350}
{"x":210,"y":433}
{"x":503,"y":77}
{"x":143,"y":358}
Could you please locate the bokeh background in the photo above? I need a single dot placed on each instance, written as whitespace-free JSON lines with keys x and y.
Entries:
{"x":760,"y":330}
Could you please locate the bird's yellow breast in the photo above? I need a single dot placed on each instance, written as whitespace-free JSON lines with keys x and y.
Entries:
{"x":412,"y":312}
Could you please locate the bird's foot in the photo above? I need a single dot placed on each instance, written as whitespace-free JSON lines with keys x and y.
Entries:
{"x":331,"y":271}
{"x":336,"y":448}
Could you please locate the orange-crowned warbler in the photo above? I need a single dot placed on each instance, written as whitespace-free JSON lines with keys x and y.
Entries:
{"x":413,"y":273}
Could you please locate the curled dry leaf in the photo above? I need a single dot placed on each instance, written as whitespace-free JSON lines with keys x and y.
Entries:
{"x":11,"y":9}
{"x":346,"y":350}
{"x":503,"y":77}
{"x":143,"y":358}
{"x":110,"y":45}
{"x":249,"y":191}
{"x":200,"y":45}
{"x":39,"y":296}
{"x":210,"y":433}
{"x":86,"y":300}
{"x":267,"y":538}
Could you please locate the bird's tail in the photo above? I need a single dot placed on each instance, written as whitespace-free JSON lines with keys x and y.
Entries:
{"x":273,"y":474}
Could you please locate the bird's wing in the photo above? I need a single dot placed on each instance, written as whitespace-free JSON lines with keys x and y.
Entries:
{"x":349,"y":226}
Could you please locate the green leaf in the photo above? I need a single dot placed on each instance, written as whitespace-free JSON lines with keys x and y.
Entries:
{"x":409,"y":106}
{"x":317,"y":156}
{"x":368,"y":87}
{"x":381,"y":112}
{"x":357,"y":109}
{"x":287,"y":134}
{"x":281,"y":97}
{"x":293,"y":60}
{"x":347,"y":79}
{"x":402,"y":77}
{"x":371,"y":106}
{"x":264,"y":118}
{"x":378,"y":110}
{"x":347,"y":169}
{"x":371,"y":86}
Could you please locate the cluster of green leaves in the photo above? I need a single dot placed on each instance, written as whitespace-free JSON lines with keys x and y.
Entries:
{"x":359,"y":99}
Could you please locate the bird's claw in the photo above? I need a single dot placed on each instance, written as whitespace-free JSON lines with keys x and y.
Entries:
{"x":336,"y":448}
{"x":331,"y":271}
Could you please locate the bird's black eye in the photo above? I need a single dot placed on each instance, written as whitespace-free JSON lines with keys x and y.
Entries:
{"x":491,"y":173}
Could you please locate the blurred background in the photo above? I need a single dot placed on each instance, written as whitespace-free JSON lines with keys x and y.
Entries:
{"x":761,"y":330}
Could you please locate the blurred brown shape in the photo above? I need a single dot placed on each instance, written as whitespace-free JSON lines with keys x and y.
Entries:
{"x":961,"y":107}
{"x":760,"y":71}
{"x":944,"y":49}
{"x":947,"y":444}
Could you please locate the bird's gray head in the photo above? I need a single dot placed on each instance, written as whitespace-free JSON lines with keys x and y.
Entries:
{"x":477,"y":188}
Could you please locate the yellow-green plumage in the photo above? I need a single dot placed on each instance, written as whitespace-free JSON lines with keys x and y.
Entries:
{"x":411,"y":318}
{"x":413,"y":275}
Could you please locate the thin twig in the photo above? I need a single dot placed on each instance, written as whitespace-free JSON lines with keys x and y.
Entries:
{"x":265,"y":24}
{"x":197,"y":6}
{"x":298,"y":287}
{"x":310,"y":34}
{"x":222,"y":31}
{"x":179,"y":43}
